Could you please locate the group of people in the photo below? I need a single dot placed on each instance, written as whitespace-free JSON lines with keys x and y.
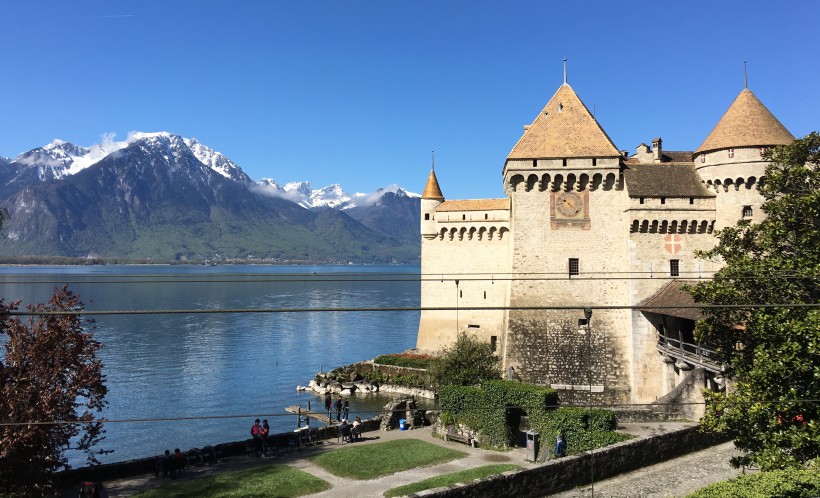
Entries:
{"x":260,"y":433}
{"x":342,"y":407}
{"x":350,"y":432}
{"x":172,"y":464}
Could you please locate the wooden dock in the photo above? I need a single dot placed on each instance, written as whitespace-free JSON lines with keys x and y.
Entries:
{"x":321,"y":417}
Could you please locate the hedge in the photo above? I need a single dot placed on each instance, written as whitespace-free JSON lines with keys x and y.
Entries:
{"x":494,"y":409}
{"x":792,"y":483}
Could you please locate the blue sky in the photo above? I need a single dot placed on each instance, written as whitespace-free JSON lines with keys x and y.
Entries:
{"x":360,"y":92}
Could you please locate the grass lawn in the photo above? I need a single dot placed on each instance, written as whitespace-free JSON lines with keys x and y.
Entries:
{"x":274,"y":481}
{"x":449,"y":479}
{"x":376,"y":460}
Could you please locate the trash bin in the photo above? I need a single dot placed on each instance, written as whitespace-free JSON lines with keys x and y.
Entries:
{"x":402,"y":424}
{"x":532,"y":445}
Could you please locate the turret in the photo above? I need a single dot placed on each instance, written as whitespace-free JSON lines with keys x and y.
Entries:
{"x":431,"y":198}
{"x":730,"y":161}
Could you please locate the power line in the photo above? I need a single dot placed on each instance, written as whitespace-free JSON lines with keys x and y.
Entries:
{"x":401,"y":309}
{"x":437,"y":409}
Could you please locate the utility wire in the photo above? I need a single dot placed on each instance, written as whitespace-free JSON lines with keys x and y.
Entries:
{"x":437,"y":409}
{"x":400,"y":309}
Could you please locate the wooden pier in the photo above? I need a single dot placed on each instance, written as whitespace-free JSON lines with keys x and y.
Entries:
{"x":298,"y":410}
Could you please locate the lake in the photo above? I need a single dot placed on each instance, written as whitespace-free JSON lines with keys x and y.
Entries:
{"x":227,"y":368}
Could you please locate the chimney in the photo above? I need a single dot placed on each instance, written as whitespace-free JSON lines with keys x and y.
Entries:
{"x":656,"y":147}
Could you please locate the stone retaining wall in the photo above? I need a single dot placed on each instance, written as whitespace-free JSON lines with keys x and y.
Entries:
{"x":567,"y":473}
{"x":141,"y":466}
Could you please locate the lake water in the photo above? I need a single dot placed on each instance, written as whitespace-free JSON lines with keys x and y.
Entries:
{"x":224,"y":364}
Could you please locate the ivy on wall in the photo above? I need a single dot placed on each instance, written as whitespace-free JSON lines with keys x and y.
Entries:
{"x":493,"y":412}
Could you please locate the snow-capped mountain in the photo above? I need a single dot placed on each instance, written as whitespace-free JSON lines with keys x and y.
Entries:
{"x":162,"y":196}
{"x":332,"y":196}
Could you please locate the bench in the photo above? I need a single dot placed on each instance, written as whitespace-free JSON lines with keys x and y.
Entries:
{"x":461,"y":438}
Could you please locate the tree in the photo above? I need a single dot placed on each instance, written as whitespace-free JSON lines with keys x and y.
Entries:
{"x":467,"y":362}
{"x":50,"y":373}
{"x":770,"y":340}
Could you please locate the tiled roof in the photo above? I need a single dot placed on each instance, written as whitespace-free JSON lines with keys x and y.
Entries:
{"x":677,"y":156}
{"x":664,"y":180}
{"x":432,"y":190}
{"x":747,"y":123}
{"x":563,"y":129}
{"x":475,"y":205}
{"x":668,"y":301}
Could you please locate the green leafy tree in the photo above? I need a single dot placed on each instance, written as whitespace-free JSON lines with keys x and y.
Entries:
{"x":50,"y":373}
{"x":769,"y":339}
{"x":468,"y":362}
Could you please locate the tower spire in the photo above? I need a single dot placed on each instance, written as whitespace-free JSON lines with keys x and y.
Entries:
{"x":745,"y":80}
{"x":433,"y":166}
{"x":565,"y":70}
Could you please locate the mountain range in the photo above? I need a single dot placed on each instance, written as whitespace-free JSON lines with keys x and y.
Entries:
{"x":159,"y":196}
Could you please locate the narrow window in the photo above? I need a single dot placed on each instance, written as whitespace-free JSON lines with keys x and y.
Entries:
{"x":674,"y":267}
{"x":731,"y":152}
{"x":703,"y":158}
{"x":493,"y":342}
{"x":747,"y":211}
{"x":485,"y":216}
{"x":574,"y":268}
{"x":535,"y":163}
{"x":564,"y":162}
{"x":485,"y":294}
{"x":427,"y":216}
{"x":691,"y":200}
{"x":463,"y":216}
{"x":663,"y":200}
{"x":594,"y":161}
{"x":641,"y":200}
{"x":473,"y":326}
{"x":460,"y":293}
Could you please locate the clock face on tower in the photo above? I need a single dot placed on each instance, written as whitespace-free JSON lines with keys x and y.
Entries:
{"x":569,"y":203}
{"x":569,"y":209}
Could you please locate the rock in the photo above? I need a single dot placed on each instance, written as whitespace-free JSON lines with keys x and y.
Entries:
{"x":301,"y":388}
{"x":403,"y":407}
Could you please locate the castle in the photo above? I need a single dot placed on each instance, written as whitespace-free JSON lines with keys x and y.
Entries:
{"x":584,"y":225}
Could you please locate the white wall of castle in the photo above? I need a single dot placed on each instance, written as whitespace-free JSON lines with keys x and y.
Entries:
{"x":734,"y":175}
{"x":465,"y":264}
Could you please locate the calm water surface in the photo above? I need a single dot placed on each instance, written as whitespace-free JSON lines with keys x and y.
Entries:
{"x":223,"y":364}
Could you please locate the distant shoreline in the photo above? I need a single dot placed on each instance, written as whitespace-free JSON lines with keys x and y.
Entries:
{"x":65,"y":261}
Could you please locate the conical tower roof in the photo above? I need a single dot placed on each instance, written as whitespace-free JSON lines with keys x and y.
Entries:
{"x":564,"y":128}
{"x":747,"y":123}
{"x":432,"y":190}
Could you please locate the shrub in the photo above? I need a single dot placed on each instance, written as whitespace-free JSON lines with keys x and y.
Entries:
{"x":406,"y":360}
{"x":791,"y":483}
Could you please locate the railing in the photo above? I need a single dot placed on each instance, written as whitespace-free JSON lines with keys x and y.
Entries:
{"x":695,"y":354}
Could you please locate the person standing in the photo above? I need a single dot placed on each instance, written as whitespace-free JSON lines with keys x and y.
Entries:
{"x":256,"y":434}
{"x":328,"y":403}
{"x":264,"y":436}
{"x":338,"y":407}
{"x":560,"y":446}
{"x":346,"y":409}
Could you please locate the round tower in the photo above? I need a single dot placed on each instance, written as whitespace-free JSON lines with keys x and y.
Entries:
{"x":431,"y":198}
{"x":730,"y":161}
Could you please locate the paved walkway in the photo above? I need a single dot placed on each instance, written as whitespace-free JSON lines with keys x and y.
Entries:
{"x":674,"y":478}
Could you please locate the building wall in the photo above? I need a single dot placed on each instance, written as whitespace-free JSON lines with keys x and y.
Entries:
{"x":466,"y":265}
{"x":545,"y":346}
{"x":735,"y":180}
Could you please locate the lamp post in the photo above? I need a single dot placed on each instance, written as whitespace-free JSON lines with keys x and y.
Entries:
{"x":458,"y":292}
{"x":585,"y":327}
